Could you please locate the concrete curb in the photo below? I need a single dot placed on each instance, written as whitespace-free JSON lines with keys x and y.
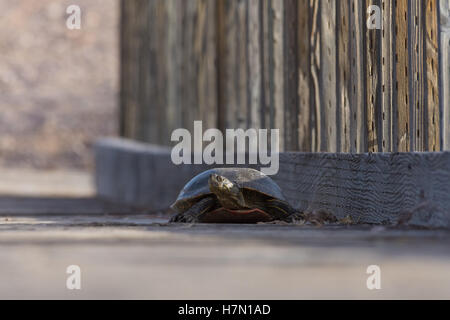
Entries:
{"x":371,"y":188}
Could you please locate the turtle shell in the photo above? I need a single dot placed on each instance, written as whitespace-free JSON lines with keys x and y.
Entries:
{"x":245,"y":178}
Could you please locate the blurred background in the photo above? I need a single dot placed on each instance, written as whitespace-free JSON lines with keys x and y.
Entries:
{"x":59,"y":87}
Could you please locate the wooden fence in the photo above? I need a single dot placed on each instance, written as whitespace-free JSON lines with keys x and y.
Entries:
{"x":311,"y":68}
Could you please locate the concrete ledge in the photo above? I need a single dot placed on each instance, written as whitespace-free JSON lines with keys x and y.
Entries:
{"x":372,"y":188}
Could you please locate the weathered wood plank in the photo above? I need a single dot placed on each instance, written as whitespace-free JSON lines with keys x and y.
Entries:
{"x":445,"y":70}
{"x":221,"y":65}
{"x":254,"y":63}
{"x":388,"y":72}
{"x":402,"y":82}
{"x":206,"y":57}
{"x":277,"y":87}
{"x":373,"y":82}
{"x":305,"y":106}
{"x":315,"y":75}
{"x":417,"y":83}
{"x":358,"y":132}
{"x":173,"y":110}
{"x":133,"y":19}
{"x":373,"y":188}
{"x":242,"y":65}
{"x":228,"y":63}
{"x":189,"y":75}
{"x":266,"y":67}
{"x":432,"y":66}
{"x":291,"y":89}
{"x":328,"y":75}
{"x":344,"y":75}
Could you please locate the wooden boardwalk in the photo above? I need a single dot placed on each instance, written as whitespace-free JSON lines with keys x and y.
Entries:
{"x":141,"y":256}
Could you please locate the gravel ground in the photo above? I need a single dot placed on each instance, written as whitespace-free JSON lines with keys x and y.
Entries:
{"x":58,"y":86}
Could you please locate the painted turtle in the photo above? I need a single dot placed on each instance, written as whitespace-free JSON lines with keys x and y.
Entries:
{"x":231,"y":195}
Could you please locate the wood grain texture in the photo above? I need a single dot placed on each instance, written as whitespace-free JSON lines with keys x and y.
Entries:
{"x":417,"y":83}
{"x":174,"y":108}
{"x":309,"y":68}
{"x":133,"y":19}
{"x":388,"y":76}
{"x":445,"y":70}
{"x":432,"y":73}
{"x":305,"y":107}
{"x":328,"y":76}
{"x":277,"y":39}
{"x":371,"y":188}
{"x":316,"y":131}
{"x":373,"y":83}
{"x":358,"y":132}
{"x":291,"y":75}
{"x":344,"y":75}
{"x":206,"y":56}
{"x":266,"y":64}
{"x":254,"y":64}
{"x":241,"y":65}
{"x":228,"y":62}
{"x":402,"y":81}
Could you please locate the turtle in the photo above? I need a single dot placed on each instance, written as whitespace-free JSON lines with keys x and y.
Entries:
{"x":231,"y":195}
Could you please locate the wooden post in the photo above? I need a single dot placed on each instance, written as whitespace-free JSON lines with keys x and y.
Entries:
{"x":254,"y":63}
{"x":328,"y":75}
{"x":432,"y":73}
{"x":445,"y":70}
{"x":277,"y":38}
{"x":291,"y":75}
{"x":344,"y":75}
{"x":388,"y":97}
{"x":417,"y":75}
{"x":358,"y":131}
{"x":402,"y":88}
{"x":304,"y":77}
{"x":373,"y":82}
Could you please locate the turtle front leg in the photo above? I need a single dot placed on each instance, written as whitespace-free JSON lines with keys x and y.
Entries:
{"x":192,"y":215}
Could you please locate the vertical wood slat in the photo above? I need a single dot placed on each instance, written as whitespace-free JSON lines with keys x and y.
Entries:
{"x":304,"y":77}
{"x":254,"y":64}
{"x":328,"y":76}
{"x":445,"y":71}
{"x":268,"y":64}
{"x":133,"y":21}
{"x":432,"y":66}
{"x":373,"y":80}
{"x":388,"y":74}
{"x":357,"y":108}
{"x":402,"y":89}
{"x":152,"y":103}
{"x":235,"y":65}
{"x":221,"y":31}
{"x":315,"y":69}
{"x":188,"y":92}
{"x":291,"y":94}
{"x":175,"y":12}
{"x":266,"y":58}
{"x":344,"y":77}
{"x":417,"y":85}
{"x":228,"y":63}
{"x":277,"y":65}
{"x":205,"y":49}
{"x":241,"y":65}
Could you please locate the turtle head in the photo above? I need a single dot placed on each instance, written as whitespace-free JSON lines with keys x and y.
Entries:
{"x":228,"y":193}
